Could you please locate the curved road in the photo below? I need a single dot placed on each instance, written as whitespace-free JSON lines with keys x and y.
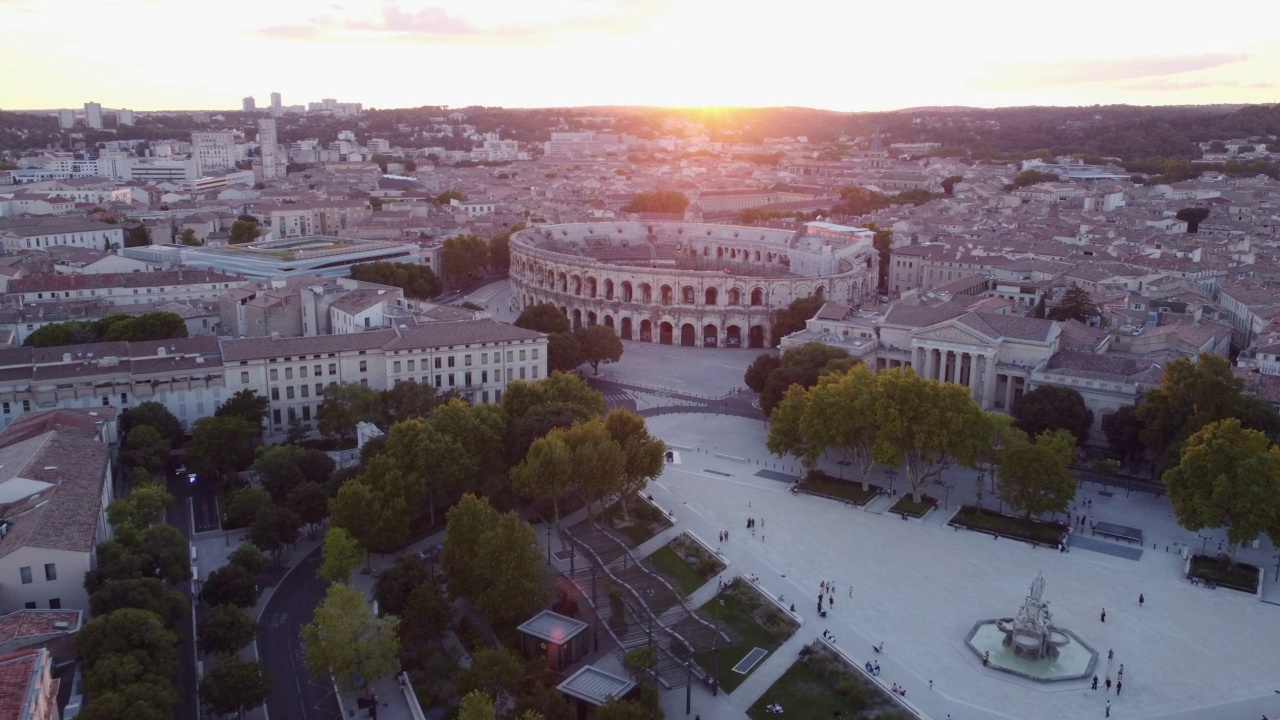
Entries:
{"x":295,"y":693}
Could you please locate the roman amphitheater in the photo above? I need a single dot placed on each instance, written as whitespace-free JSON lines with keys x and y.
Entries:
{"x":688,"y":284}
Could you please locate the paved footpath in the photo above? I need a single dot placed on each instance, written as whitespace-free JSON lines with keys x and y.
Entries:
{"x":918,"y":586}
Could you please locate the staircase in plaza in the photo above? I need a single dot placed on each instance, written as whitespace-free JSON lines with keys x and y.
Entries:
{"x":639,"y":607}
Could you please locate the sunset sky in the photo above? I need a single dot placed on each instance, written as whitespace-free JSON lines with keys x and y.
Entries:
{"x":841,"y":55}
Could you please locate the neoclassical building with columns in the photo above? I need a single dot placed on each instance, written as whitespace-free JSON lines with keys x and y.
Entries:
{"x":690,"y":284}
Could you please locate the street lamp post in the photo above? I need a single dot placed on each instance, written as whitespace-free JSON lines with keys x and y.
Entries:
{"x":1204,"y":542}
{"x":688,"y":687}
{"x":946,"y":501}
{"x":715,"y":652}
{"x":595,"y":635}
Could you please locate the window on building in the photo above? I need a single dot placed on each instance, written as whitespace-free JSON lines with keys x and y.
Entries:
{"x":274,"y":375}
{"x":288,"y":373}
{"x":484,"y":358}
{"x":30,"y":606}
{"x":535,"y":353}
{"x":364,"y":366}
{"x":319,"y":389}
{"x":26,"y":406}
{"x":275,"y":417}
{"x":275,"y":393}
{"x":452,"y":361}
{"x":364,"y":382}
{"x":467,"y":379}
{"x":318,"y":370}
{"x":466,"y":360}
{"x":124,"y":399}
{"x":302,"y":371}
{"x":6,"y":408}
{"x":437,"y":363}
{"x":55,"y":603}
{"x":510,"y":356}
{"x":288,"y":393}
{"x":522,"y":373}
{"x":304,"y":390}
{"x":395,"y":366}
{"x":438,"y":381}
{"x":451,"y":380}
{"x":410,"y":365}
{"x":50,"y":571}
{"x":484,"y":376}
{"x":244,"y":378}
{"x":25,"y":573}
{"x":333,"y":369}
{"x":306,"y":412}
{"x":534,"y":371}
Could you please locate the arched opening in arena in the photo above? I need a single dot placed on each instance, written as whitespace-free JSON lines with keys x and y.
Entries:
{"x":711,"y":295}
{"x":735,"y":296}
{"x":665,"y":295}
{"x":733,"y":336}
{"x":608,"y":289}
{"x":625,"y":334}
{"x":664,"y":333}
{"x":755,"y":337}
{"x":710,"y":336}
{"x":646,"y":331}
{"x":757,"y":297}
{"x":591,"y":287}
{"x":608,"y":322}
{"x":687,"y":295}
{"x":627,"y":292}
{"x":591,"y":319}
{"x":688,"y":335}
{"x":646,"y":293}
{"x":577,"y":319}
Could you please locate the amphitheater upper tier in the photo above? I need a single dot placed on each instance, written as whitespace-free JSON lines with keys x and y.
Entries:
{"x":688,"y":284}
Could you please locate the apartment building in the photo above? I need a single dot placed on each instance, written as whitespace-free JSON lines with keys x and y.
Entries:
{"x":213,"y":151}
{"x":476,"y":358}
{"x":34,"y":233}
{"x":55,"y":486}
{"x":131,"y":288}
{"x":310,"y":218}
{"x":28,"y":690}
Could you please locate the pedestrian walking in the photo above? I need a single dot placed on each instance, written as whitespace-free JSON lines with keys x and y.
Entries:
{"x":851,"y":592}
{"x":822,"y":586}
{"x":930,"y":684}
{"x":761,"y":537}
{"x":1108,"y":683}
{"x":1120,"y":675}
{"x":1108,"y":713}
{"x":831,"y":601}
{"x":1111,"y":655}
{"x":1141,"y":599}
{"x":1118,"y":686}
{"x":1095,"y":683}
{"x":1104,"y":614}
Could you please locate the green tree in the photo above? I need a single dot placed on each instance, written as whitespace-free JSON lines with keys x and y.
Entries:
{"x":310,"y":502}
{"x":63,"y":333}
{"x":642,"y":453}
{"x":564,"y":352}
{"x":375,"y":516}
{"x":128,"y":631}
{"x":341,"y":554}
{"x":1076,"y":304}
{"x":543,"y":317}
{"x":344,"y":406}
{"x":221,"y":446}
{"x":1034,"y":476}
{"x":407,"y":400}
{"x":234,"y":686}
{"x":794,"y":317}
{"x":273,"y":528}
{"x":243,"y":231}
{"x":495,"y":671}
{"x":395,"y":584}
{"x":500,"y":247}
{"x":463,"y":255}
{"x":547,"y":470}
{"x":466,"y":524}
{"x":477,"y":706}
{"x":284,"y":467}
{"x":188,"y":237}
{"x":924,"y":426}
{"x":427,"y":615}
{"x":143,"y":507}
{"x":1228,"y":476}
{"x":510,"y":562}
{"x":137,"y":236}
{"x":154,"y":414}
{"x":417,"y":281}
{"x":166,"y":553}
{"x":598,"y":461}
{"x":145,"y":447}
{"x":949,"y":184}
{"x":246,"y":404}
{"x":141,"y":593}
{"x":1048,"y":407}
{"x":757,"y":375}
{"x":558,"y":388}
{"x":444,"y":197}
{"x":230,"y":585}
{"x":249,"y":558}
{"x":431,"y":465}
{"x":226,"y":629}
{"x":623,"y":710}
{"x":1032,"y":177}
{"x":882,"y":241}
{"x":346,"y":640}
{"x":657,"y":201}
{"x":1193,"y":216}
{"x":802,"y":366}
{"x":242,"y":505}
{"x":599,"y":343}
{"x":841,"y":414}
{"x":1124,"y":432}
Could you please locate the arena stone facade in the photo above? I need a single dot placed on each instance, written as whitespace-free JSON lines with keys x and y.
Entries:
{"x":690,"y":284}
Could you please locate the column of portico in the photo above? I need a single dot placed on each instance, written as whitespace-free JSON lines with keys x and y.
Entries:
{"x":953,"y":375}
{"x":973,"y":374}
{"x":1008,"y":394}
{"x":989,"y":383}
{"x":927,"y":371}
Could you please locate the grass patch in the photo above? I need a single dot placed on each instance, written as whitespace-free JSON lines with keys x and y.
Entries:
{"x":820,"y":483}
{"x":672,"y":561}
{"x":907,"y":506}
{"x":643,"y":520}
{"x":1235,"y":576}
{"x":820,"y":685}
{"x":757,"y":621}
{"x":1032,"y":531}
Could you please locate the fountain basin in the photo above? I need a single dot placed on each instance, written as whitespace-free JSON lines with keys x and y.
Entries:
{"x":1070,"y":657}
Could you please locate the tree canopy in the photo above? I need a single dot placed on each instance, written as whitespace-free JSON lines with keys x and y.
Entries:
{"x":347,"y":641}
{"x":344,"y":406}
{"x":154,"y":414}
{"x":839,"y":412}
{"x":657,"y":201}
{"x":798,"y":366}
{"x":221,"y":446}
{"x":494,"y":560}
{"x":794,"y":317}
{"x":1193,"y":216}
{"x":599,"y":343}
{"x":246,"y":404}
{"x":1076,"y":304}
{"x":463,"y":255}
{"x":1049,"y":407}
{"x":417,"y":281}
{"x":1033,"y":475}
{"x":543,"y":317}
{"x":158,"y":325}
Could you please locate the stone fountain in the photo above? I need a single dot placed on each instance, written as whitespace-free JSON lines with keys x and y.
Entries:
{"x":1030,"y":645}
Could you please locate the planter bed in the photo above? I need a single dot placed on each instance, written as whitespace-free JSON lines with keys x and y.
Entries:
{"x":673,"y":561}
{"x":1016,"y":528}
{"x":906,"y":507}
{"x":822,"y":685}
{"x":756,"y":620}
{"x":642,"y":521}
{"x":823,"y":485}
{"x":1220,"y":570}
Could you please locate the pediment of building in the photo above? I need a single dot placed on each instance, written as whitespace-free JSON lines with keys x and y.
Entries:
{"x":949,"y":333}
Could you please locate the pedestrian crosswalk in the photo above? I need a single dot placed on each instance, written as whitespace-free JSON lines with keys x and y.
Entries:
{"x":617,"y":397}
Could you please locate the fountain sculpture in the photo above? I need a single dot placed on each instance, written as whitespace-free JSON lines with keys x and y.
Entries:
{"x":1031,"y":634}
{"x":1030,"y":645}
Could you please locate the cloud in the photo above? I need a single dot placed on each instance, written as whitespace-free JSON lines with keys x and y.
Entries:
{"x":1085,"y":70}
{"x":1161,"y":85}
{"x":439,"y":25}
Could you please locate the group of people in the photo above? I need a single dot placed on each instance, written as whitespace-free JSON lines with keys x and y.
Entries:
{"x":873,"y":668}
{"x":773,"y":708}
{"x":899,"y":690}
{"x":829,"y":636}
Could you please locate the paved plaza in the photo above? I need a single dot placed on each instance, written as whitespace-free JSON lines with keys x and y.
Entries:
{"x":919,"y":586}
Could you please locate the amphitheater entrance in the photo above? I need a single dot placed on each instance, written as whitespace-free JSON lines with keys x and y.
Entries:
{"x":625,"y":334}
{"x":646,"y":331}
{"x":710,"y":337}
{"x":591,"y":319}
{"x":577,"y":319}
{"x":755,"y":337}
{"x":665,"y":332}
{"x":608,"y":322}
{"x":733,"y":336}
{"x":688,"y":336}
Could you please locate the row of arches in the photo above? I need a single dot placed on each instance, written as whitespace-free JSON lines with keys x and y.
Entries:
{"x":666,"y":332}
{"x":666,"y":294}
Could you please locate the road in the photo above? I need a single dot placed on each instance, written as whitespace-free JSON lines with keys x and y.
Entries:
{"x":179,"y":516}
{"x":295,"y":693}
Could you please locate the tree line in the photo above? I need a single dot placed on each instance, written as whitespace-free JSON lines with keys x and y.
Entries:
{"x":568,"y":348}
{"x":157,"y":325}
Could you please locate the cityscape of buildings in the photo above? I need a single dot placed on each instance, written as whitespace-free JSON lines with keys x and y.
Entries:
{"x":950,"y":276}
